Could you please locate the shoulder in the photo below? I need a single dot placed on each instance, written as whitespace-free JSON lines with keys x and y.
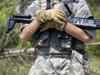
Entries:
{"x":32,"y":8}
{"x":38,"y":4}
{"x":81,"y":9}
{"x":34,"y":5}
{"x":80,"y":4}
{"x":83,"y":4}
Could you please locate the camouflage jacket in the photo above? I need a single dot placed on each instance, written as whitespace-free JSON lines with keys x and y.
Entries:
{"x":79,"y":8}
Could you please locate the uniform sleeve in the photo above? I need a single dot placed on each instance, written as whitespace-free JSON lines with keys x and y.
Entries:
{"x":30,"y":10}
{"x":83,"y":11}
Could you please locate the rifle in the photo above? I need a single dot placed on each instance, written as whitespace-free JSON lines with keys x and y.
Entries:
{"x":84,"y":23}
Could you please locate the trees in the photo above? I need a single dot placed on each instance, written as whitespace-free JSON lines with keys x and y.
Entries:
{"x":18,"y":64}
{"x":10,"y":66}
{"x":24,"y":4}
{"x":8,"y":8}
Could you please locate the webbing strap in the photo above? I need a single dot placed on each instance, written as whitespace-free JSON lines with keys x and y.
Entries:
{"x":48,"y":5}
{"x":76,"y":1}
{"x":66,"y":5}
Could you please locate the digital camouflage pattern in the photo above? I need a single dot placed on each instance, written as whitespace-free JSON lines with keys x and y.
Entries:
{"x":45,"y":65}
{"x":49,"y":43}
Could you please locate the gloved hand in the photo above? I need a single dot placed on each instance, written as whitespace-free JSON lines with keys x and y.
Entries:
{"x":51,"y":24}
{"x":52,"y":18}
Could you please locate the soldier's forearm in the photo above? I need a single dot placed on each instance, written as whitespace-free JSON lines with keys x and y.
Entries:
{"x":76,"y":32}
{"x":29,"y":30}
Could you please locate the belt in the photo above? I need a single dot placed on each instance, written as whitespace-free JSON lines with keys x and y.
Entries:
{"x":54,"y":55}
{"x":60,"y":56}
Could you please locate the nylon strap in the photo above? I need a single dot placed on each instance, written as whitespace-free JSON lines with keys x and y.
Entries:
{"x":76,"y":1}
{"x":48,"y":5}
{"x":66,"y":5}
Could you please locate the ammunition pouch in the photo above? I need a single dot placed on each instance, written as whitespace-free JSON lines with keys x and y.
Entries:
{"x":64,"y":41}
{"x":81,"y":59}
{"x":78,"y":45}
{"x":86,"y":64}
{"x":41,"y":40}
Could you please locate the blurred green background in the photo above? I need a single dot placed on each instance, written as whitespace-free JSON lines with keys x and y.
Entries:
{"x":20,"y":63}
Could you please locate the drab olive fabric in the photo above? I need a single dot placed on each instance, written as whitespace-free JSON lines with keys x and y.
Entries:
{"x":52,"y":18}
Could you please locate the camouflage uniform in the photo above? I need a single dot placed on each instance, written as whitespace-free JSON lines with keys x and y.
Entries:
{"x":57,"y":56}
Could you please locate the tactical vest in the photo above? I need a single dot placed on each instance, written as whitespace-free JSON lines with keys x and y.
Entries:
{"x":53,"y":41}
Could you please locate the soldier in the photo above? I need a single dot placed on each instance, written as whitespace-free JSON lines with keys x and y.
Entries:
{"x":60,"y":44}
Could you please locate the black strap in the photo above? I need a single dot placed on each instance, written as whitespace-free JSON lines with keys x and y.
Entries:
{"x":76,"y":1}
{"x":48,"y":5}
{"x":66,"y":5}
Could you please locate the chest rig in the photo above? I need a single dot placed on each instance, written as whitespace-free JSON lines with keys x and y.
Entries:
{"x":53,"y":41}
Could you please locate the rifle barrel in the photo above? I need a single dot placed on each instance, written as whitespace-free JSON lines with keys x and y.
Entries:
{"x":20,"y":20}
{"x":22,"y":16}
{"x":83,"y":24}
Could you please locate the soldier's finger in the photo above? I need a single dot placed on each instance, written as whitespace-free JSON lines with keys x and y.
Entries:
{"x":58,"y":21}
{"x":62,"y":14}
{"x":59,"y":28}
{"x":61,"y":17}
{"x":44,"y":29}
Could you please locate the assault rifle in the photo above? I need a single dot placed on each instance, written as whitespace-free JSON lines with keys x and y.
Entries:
{"x":84,"y":23}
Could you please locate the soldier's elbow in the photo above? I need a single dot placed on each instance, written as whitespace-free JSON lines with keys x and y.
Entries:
{"x":86,"y":39}
{"x":22,"y":38}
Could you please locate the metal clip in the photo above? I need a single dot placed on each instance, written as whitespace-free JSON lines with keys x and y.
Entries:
{"x":76,"y":1}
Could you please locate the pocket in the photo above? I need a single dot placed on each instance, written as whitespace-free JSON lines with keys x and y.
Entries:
{"x":80,"y":62}
{"x":86,"y":63}
{"x":76,"y":66}
{"x":77,"y":57}
{"x":66,"y":43}
{"x":43,"y":40}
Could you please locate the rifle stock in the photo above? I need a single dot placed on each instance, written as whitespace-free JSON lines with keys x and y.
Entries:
{"x":84,"y":23}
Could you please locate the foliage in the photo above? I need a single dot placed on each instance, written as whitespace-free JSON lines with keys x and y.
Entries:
{"x":94,"y":51}
{"x":16,"y":65}
{"x":8,"y":7}
{"x":20,"y":65}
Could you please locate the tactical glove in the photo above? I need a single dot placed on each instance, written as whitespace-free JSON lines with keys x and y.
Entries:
{"x":52,"y":18}
{"x":51,"y":24}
